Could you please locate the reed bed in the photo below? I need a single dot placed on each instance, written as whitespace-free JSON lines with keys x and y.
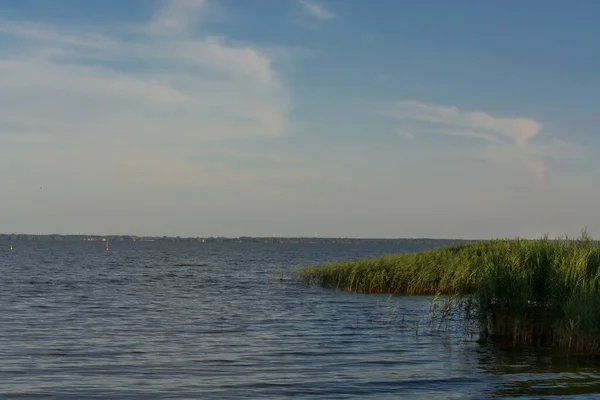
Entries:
{"x":519,"y":291}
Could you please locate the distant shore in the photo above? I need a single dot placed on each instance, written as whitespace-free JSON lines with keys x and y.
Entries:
{"x":425,"y":242}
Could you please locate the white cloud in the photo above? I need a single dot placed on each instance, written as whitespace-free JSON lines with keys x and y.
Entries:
{"x":44,"y":35}
{"x":83,"y":83}
{"x":512,"y":141}
{"x":405,"y":134}
{"x":520,"y":130}
{"x":490,"y":137}
{"x":86,"y":113}
{"x":316,"y":10}
{"x":177,"y":16}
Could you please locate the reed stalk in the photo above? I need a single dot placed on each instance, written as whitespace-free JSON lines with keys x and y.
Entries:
{"x":517,"y":291}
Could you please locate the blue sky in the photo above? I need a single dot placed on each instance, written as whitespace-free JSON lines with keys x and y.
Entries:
{"x":462,"y":119}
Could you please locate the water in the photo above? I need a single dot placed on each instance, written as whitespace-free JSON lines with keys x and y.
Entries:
{"x":207,"y":320}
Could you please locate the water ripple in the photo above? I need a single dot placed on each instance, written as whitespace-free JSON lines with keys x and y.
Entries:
{"x":156,"y":320}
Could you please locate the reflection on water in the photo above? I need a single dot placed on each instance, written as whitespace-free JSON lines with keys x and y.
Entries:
{"x":539,"y":373}
{"x":177,"y":320}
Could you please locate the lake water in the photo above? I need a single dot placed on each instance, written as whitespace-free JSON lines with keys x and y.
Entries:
{"x":207,"y":320}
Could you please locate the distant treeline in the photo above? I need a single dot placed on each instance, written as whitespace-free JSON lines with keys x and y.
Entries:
{"x":417,"y":242}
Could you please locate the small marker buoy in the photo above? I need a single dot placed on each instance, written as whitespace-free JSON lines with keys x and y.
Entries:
{"x":11,"y":246}
{"x":106,"y":246}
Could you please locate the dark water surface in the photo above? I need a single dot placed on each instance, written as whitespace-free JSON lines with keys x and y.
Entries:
{"x":178,"y":320}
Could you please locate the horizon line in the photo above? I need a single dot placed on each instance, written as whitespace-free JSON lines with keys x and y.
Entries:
{"x":233,"y":237}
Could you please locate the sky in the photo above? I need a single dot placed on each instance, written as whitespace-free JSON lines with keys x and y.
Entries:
{"x":334,"y":118}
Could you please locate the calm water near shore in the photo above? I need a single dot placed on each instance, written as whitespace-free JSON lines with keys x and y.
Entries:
{"x":217,"y":320}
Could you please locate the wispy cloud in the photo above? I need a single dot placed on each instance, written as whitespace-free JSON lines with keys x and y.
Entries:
{"x":316,"y":10}
{"x":214,"y":87}
{"x":519,"y":130}
{"x":101,"y":92}
{"x":177,"y":16}
{"x":44,"y":35}
{"x":486,"y":136}
{"x":510,"y":141}
{"x":405,"y":134}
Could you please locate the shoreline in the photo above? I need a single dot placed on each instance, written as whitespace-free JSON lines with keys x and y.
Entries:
{"x":520,"y":291}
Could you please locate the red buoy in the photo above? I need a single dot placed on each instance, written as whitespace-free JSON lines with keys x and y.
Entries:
{"x":106,"y":246}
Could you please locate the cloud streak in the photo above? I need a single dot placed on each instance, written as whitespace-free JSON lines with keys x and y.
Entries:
{"x":185,"y":86}
{"x":316,"y":10}
{"x":508,"y":141}
{"x":405,"y":134}
{"x":86,"y":112}
{"x":177,"y":17}
{"x":519,"y":130}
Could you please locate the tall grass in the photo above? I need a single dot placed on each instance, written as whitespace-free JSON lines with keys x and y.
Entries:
{"x":521,"y":291}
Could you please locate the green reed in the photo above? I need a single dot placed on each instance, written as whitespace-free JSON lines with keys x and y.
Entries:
{"x":518,"y":291}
